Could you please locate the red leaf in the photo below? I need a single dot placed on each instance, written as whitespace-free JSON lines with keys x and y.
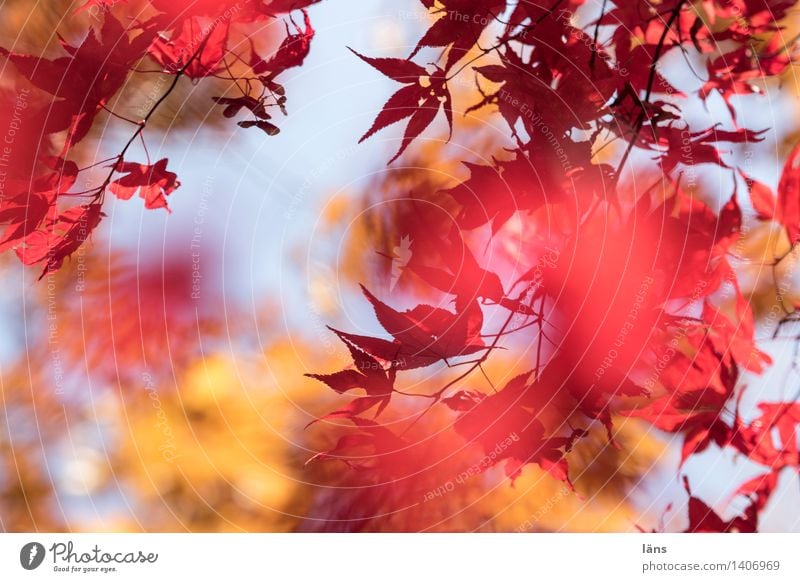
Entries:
{"x":758,"y":440}
{"x":400,"y":70}
{"x":420,"y":99}
{"x":401,"y":105}
{"x":377,"y":382}
{"x":380,"y":449}
{"x":205,"y":49}
{"x":703,"y":519}
{"x":26,"y":211}
{"x":60,"y":237}
{"x":292,"y":52}
{"x":420,"y":120}
{"x":788,"y":207}
{"x":431,"y":333}
{"x":506,"y":428}
{"x":342,"y":381}
{"x":154,"y":183}
{"x":276,"y":7}
{"x":762,"y":198}
{"x":88,"y":78}
{"x":461,"y":26}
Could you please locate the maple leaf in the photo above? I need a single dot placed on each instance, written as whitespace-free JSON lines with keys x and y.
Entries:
{"x":494,"y":193}
{"x":369,"y":375}
{"x":787,"y":211}
{"x":741,"y":70}
{"x":420,"y":100}
{"x":683,"y":147}
{"x":154,"y":183}
{"x":87,"y":79}
{"x":705,"y":239}
{"x":174,"y":15}
{"x":198,"y":49}
{"x":291,"y":53}
{"x":758,"y":439}
{"x":696,"y":411}
{"x":372,"y":448}
{"x":504,"y":425}
{"x":758,"y":490}
{"x":386,"y":350}
{"x":23,"y":214}
{"x":460,"y":26}
{"x":25,"y":211}
{"x":703,"y":519}
{"x":59,"y":237}
{"x":734,"y":335}
{"x":427,"y":334}
{"x":30,"y":147}
{"x":460,"y":275}
{"x":761,"y":197}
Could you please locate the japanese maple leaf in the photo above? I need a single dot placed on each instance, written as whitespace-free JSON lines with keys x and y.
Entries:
{"x":23,"y":214}
{"x":425,"y":334}
{"x":420,"y":100}
{"x":521,"y":96}
{"x":84,"y":81}
{"x":494,"y":193}
{"x":373,"y":448}
{"x":548,"y":91}
{"x":695,"y":242}
{"x":291,"y":53}
{"x":698,"y":389}
{"x":758,"y":439}
{"x":459,"y":273}
{"x":735,"y":336}
{"x":682,"y":147}
{"x":738,"y":71}
{"x":460,"y":27}
{"x":26,"y":210}
{"x":637,"y":62}
{"x":368,"y":374}
{"x":59,"y":237}
{"x":154,"y":183}
{"x":505,"y":425}
{"x":787,"y":211}
{"x":197,"y":50}
{"x":758,"y":490}
{"x":232,"y":11}
{"x":703,"y":519}
{"x":761,"y":197}
{"x":697,"y":413}
{"x":31,"y":145}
